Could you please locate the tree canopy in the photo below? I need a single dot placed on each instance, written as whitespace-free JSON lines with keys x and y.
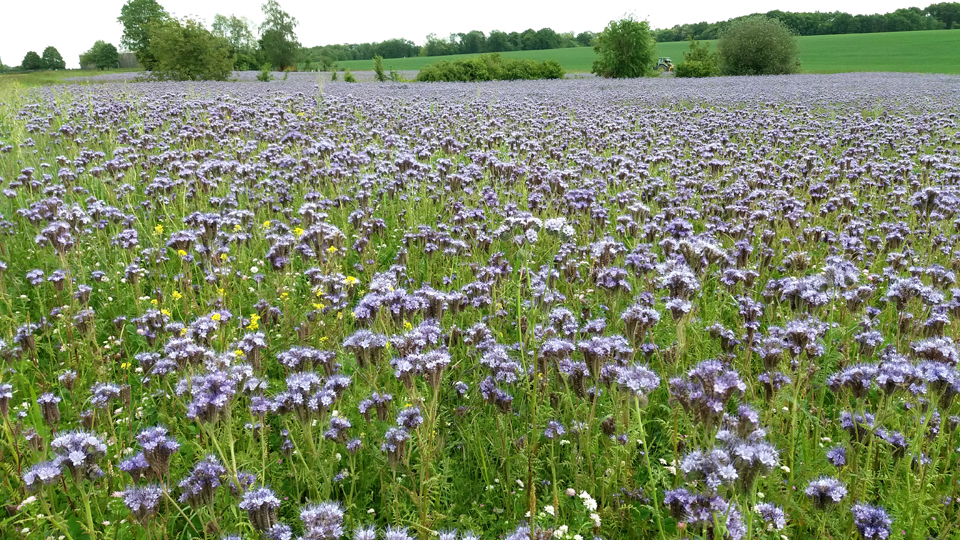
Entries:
{"x":31,"y":61}
{"x":759,"y":45}
{"x":239,"y":34}
{"x":103,"y":55}
{"x":136,"y":16}
{"x":52,"y":59}
{"x":184,"y":50}
{"x":624,"y":49}
{"x":278,"y":39}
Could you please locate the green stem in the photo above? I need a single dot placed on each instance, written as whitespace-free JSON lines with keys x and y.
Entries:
{"x":86,"y":507}
{"x":646,"y":457}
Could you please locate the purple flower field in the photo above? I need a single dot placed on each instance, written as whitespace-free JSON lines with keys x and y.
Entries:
{"x":578,"y":309}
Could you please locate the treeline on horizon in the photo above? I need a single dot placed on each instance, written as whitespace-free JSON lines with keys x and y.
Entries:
{"x":941,"y":16}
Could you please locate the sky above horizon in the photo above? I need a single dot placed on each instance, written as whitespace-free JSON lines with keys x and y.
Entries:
{"x":73,"y":26}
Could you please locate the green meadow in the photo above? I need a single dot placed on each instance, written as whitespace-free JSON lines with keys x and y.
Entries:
{"x":936,"y":51}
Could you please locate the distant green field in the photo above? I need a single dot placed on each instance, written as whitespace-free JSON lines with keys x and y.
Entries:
{"x":40,"y":78}
{"x":935,"y":51}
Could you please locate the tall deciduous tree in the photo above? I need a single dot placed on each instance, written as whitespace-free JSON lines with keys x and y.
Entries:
{"x":136,"y":16}
{"x":52,"y":59}
{"x":625,"y":48}
{"x":103,"y":55}
{"x":278,"y":40}
{"x":31,"y":61}
{"x":239,"y":34}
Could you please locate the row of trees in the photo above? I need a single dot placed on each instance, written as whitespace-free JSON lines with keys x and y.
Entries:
{"x":185,"y":49}
{"x":945,"y":15}
{"x":473,"y":42}
{"x":51,"y":59}
{"x":757,"y":45}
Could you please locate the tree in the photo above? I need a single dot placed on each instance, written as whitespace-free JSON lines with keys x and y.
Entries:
{"x":625,"y":48}
{"x":31,"y":61}
{"x":699,"y":61}
{"x":759,"y":45}
{"x":237,"y":32}
{"x":52,"y":59}
{"x":585,"y":38}
{"x":946,"y":12}
{"x":103,"y":55}
{"x":498,"y":42}
{"x":136,"y":16}
{"x":278,"y":40}
{"x":472,"y":42}
{"x":186,"y":51}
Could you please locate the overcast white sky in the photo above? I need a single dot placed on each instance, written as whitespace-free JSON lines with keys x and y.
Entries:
{"x":72,"y":26}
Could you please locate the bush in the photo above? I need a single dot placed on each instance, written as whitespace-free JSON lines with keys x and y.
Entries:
{"x":699,"y":61}
{"x":625,"y":49}
{"x":265,"y":75}
{"x":489,"y":67}
{"x":333,"y":75}
{"x":378,"y":73}
{"x":31,"y":61}
{"x":759,"y":45}
{"x":348,"y":76}
{"x":186,"y":51}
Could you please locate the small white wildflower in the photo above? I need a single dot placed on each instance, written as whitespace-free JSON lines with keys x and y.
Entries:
{"x":550,"y":509}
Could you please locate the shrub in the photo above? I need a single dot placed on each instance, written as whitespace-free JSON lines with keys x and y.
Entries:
{"x":265,"y":75}
{"x":186,"y":51}
{"x":699,"y":61}
{"x":395,"y":76}
{"x":625,"y":49}
{"x":348,"y":76}
{"x":759,"y":45}
{"x":378,"y":73}
{"x":489,"y":67}
{"x":333,"y":75}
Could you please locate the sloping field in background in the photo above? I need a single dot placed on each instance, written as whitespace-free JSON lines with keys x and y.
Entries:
{"x":936,"y":51}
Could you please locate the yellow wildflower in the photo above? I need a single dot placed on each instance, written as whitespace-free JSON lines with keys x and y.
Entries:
{"x":165,"y":312}
{"x":176,"y":295}
{"x":332,"y":249}
{"x":220,"y":291}
{"x":238,"y":353}
{"x":154,"y":301}
{"x":181,"y":253}
{"x":407,"y":325}
{"x":215,"y":316}
{"x":223,"y":256}
{"x":158,"y":230}
{"x":298,"y":231}
{"x":266,"y":224}
{"x":351,"y":281}
{"x":237,"y":228}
